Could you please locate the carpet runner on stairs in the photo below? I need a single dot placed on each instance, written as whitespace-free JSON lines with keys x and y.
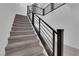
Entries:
{"x":23,"y":41}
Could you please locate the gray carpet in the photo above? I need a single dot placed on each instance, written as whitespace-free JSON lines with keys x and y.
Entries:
{"x":23,"y":41}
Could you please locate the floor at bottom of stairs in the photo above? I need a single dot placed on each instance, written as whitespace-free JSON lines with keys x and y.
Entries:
{"x":70,"y":51}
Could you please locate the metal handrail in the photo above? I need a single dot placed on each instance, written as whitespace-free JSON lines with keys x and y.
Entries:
{"x":53,"y":9}
{"x":38,"y":7}
{"x":47,"y":24}
{"x":58,"y":32}
{"x":43,"y":13}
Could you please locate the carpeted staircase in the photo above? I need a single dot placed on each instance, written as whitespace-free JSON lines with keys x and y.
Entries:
{"x":23,"y":40}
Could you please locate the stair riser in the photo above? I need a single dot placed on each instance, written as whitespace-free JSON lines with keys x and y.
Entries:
{"x":26,"y":52}
{"x":20,"y":18}
{"x":12,"y":40}
{"x":35,"y":44}
{"x":21,"y":44}
{"x":22,"y":25}
{"x":21,"y":33}
{"x":15,"y":27}
{"x":21,"y":29}
{"x":21,"y":21}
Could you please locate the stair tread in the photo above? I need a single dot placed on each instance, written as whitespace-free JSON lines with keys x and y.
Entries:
{"x":22,"y":28}
{"x":17,"y":22}
{"x":26,"y":51}
{"x":12,"y":40}
{"x":21,"y":43}
{"x":22,"y":25}
{"x":14,"y":46}
{"x":23,"y":31}
{"x":21,"y":21}
{"x":20,"y":36}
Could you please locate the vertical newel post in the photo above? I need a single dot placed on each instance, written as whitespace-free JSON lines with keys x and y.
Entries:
{"x":60,"y":38}
{"x":32,"y":18}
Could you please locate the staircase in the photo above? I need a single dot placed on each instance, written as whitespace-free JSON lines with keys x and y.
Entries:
{"x":47,"y":34}
{"x":23,"y":40}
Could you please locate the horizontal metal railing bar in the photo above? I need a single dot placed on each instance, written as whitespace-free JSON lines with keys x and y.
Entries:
{"x":46,"y":39}
{"x":38,"y":7}
{"x":43,"y":41}
{"x":55,"y":8}
{"x":46,"y":27}
{"x":36,"y":23}
{"x":47,"y":24}
{"x":48,"y":44}
{"x":36,"y":20}
{"x":39,"y":14}
{"x":49,"y":11}
{"x":47,"y":6}
{"x":47,"y":32}
{"x":46,"y":36}
{"x":43,"y":25}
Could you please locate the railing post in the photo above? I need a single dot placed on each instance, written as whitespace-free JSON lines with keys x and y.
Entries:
{"x":53,"y":43}
{"x":60,"y":42}
{"x":32,"y":18}
{"x":52,"y":6}
{"x":27,"y":10}
{"x":43,"y":12}
{"x":39,"y":26}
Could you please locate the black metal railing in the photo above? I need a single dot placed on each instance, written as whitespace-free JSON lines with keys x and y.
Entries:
{"x":44,"y":11}
{"x":47,"y":34}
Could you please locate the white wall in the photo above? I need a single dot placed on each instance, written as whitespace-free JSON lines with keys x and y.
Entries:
{"x":43,"y":5}
{"x":21,"y":8}
{"x":67,"y":18}
{"x":7,"y":14}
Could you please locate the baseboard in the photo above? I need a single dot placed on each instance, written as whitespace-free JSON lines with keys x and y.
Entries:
{"x":21,"y":14}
